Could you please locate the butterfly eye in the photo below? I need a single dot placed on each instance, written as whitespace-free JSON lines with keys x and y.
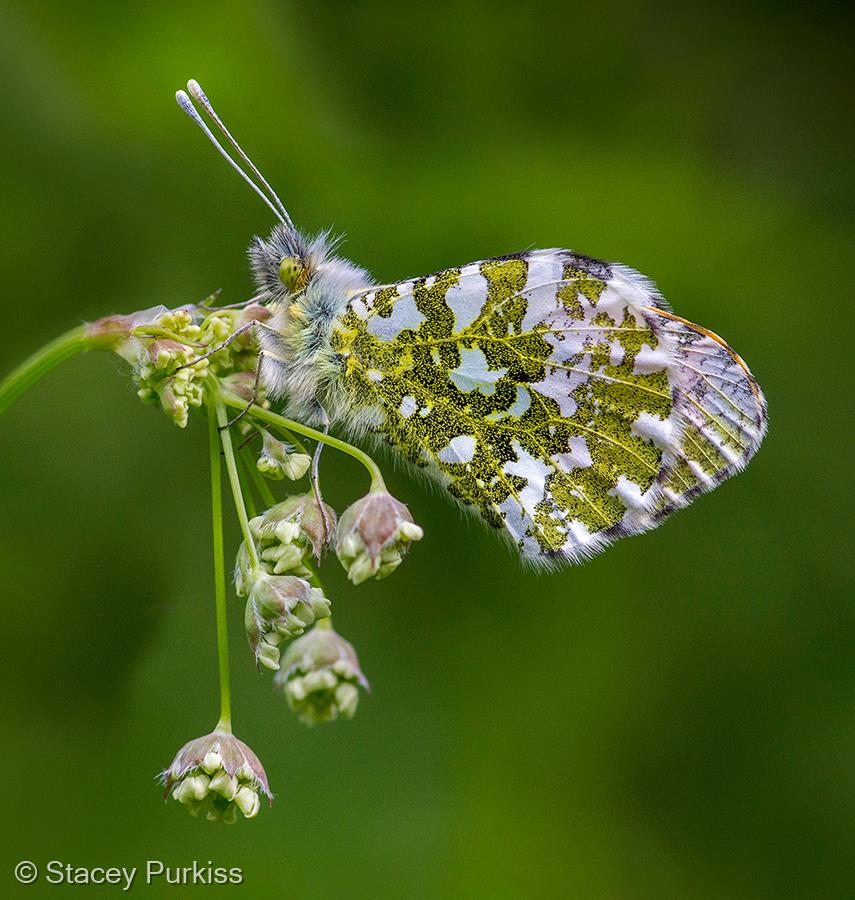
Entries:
{"x":290,"y":270}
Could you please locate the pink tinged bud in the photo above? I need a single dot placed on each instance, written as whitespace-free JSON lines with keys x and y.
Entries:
{"x":279,"y":460}
{"x":373,"y":536}
{"x":320,"y":675}
{"x":240,"y":383}
{"x":109,"y":332}
{"x":280,"y":607}
{"x":298,"y":520}
{"x":217,"y":775}
{"x":254,"y":312}
{"x":164,"y":352}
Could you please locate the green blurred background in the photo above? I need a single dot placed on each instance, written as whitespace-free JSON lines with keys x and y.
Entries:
{"x":674,"y":719}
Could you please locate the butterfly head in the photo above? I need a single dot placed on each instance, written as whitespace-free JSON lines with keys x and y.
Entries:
{"x":281,"y":263}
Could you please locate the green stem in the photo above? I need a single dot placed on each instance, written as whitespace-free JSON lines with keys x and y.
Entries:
{"x":272,"y":418}
{"x":225,"y":723}
{"x":246,"y":468}
{"x":234,"y":480}
{"x":40,"y":363}
{"x":261,"y":485}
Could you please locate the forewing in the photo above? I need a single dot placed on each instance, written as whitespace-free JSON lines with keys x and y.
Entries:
{"x":553,"y":393}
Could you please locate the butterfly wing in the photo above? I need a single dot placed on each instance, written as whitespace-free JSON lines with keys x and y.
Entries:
{"x":554,"y":394}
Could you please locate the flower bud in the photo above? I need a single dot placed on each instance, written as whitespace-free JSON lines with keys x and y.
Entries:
{"x":286,"y":535}
{"x":109,"y":332}
{"x":278,"y":459}
{"x":280,"y":607}
{"x":159,"y":374}
{"x":319,"y":675}
{"x":242,"y":384}
{"x":217,"y":775}
{"x":373,"y":536}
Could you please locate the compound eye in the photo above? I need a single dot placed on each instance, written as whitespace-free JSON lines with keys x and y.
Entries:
{"x":290,"y":270}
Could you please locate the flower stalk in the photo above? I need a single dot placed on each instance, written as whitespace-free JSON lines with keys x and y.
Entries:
{"x":225,"y":722}
{"x":234,"y":479}
{"x":41,"y":362}
{"x":286,"y":425}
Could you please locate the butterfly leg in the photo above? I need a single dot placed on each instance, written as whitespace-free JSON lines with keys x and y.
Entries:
{"x":316,"y":484}
{"x":252,"y":400}
{"x":222,"y":346}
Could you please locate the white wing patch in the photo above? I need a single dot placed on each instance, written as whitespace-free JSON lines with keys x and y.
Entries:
{"x":554,"y":394}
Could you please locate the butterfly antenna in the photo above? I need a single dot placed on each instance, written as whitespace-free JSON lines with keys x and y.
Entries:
{"x":196,"y":92}
{"x":187,"y":105}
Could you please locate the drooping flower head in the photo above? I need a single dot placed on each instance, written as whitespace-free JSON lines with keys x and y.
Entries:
{"x":320,"y":676}
{"x":218,"y":776}
{"x":280,"y":607}
{"x":373,"y":536}
{"x":288,"y":533}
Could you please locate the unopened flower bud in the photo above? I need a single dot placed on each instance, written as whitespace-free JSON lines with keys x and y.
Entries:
{"x":280,"y":607}
{"x":319,"y":675}
{"x":217,"y":775}
{"x":285,"y":536}
{"x":241,"y":384}
{"x":109,"y":332}
{"x":279,"y":460}
{"x":373,"y":536}
{"x":247,"y":802}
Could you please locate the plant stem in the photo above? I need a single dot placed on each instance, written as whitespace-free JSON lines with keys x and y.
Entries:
{"x":272,"y":418}
{"x":261,"y":485}
{"x":40,"y":363}
{"x":246,"y":478}
{"x":234,"y":480}
{"x":225,"y":723}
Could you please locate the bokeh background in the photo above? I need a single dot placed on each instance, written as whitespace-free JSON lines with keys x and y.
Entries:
{"x":674,"y":719}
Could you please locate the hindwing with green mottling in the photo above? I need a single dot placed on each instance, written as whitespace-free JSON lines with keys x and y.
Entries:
{"x":552,"y":393}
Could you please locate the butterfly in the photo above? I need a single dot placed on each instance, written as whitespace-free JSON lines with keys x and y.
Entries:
{"x":554,"y":395}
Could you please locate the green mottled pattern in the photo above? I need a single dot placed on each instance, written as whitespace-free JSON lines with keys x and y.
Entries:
{"x":577,"y":366}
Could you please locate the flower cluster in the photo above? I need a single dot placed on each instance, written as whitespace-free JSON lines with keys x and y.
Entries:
{"x":200,"y":356}
{"x":288,"y":534}
{"x":280,"y":607}
{"x":373,"y":536}
{"x":169,"y":349}
{"x":217,"y":775}
{"x":279,"y":460}
{"x":319,"y":676}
